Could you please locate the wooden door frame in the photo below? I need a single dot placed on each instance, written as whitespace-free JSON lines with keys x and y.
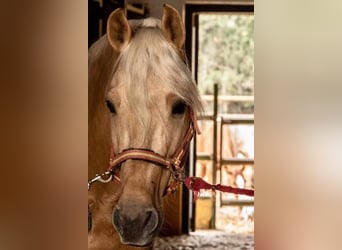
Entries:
{"x":192,"y":11}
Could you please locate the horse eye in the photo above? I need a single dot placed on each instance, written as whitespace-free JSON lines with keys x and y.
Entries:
{"x":110,"y":107}
{"x":178,"y":108}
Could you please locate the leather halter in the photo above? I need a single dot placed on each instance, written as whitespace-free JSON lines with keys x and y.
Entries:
{"x":174,"y":164}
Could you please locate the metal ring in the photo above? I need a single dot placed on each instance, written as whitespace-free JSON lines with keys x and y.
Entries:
{"x":106,"y":180}
{"x":176,"y":173}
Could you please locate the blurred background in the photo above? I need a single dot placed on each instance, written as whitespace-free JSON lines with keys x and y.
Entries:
{"x":297,"y":69}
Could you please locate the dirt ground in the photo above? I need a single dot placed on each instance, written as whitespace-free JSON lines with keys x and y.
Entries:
{"x":206,"y":240}
{"x":235,"y":231}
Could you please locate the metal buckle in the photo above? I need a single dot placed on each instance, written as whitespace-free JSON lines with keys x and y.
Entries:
{"x":103,"y":178}
{"x":177,"y":174}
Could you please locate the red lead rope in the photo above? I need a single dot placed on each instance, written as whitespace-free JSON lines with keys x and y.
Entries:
{"x":196,"y":184}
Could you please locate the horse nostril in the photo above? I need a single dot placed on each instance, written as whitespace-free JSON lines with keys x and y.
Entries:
{"x":117,"y":220}
{"x":148,"y":217}
{"x":151,"y":220}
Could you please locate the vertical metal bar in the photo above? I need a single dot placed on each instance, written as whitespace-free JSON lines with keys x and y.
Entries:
{"x":192,"y":27}
{"x":101,"y":19}
{"x":125,"y":7}
{"x":220,"y":158}
{"x":192,"y":168}
{"x":213,"y":217}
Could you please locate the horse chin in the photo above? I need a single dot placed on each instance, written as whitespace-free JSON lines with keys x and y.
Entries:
{"x":138,"y":241}
{"x":141,"y":243}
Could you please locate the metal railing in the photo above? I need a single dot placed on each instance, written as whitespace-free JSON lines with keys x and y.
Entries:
{"x":219,"y":161}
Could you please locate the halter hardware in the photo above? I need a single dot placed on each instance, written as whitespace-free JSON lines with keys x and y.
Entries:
{"x":103,"y":178}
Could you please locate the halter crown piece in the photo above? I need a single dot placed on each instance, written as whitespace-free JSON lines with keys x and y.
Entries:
{"x":174,"y":164}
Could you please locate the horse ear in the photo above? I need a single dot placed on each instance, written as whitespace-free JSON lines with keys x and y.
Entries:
{"x":119,"y":32}
{"x":172,"y":26}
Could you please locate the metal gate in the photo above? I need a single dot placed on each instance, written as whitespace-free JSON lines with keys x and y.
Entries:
{"x":217,"y":158}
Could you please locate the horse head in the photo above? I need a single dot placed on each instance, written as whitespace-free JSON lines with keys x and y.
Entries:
{"x":150,"y":98}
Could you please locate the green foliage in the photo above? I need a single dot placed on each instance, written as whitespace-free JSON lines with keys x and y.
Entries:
{"x":226,"y":52}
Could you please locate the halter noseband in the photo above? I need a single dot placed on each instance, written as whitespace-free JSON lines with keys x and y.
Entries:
{"x":174,"y":164}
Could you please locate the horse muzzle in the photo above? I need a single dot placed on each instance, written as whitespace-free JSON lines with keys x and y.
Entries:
{"x":137,"y":225}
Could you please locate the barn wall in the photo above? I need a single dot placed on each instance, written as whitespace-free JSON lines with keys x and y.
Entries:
{"x":156,"y":7}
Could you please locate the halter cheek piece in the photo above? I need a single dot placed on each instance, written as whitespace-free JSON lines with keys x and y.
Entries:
{"x":174,"y":164}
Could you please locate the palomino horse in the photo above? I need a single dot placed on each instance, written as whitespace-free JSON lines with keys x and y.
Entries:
{"x":142,"y":102}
